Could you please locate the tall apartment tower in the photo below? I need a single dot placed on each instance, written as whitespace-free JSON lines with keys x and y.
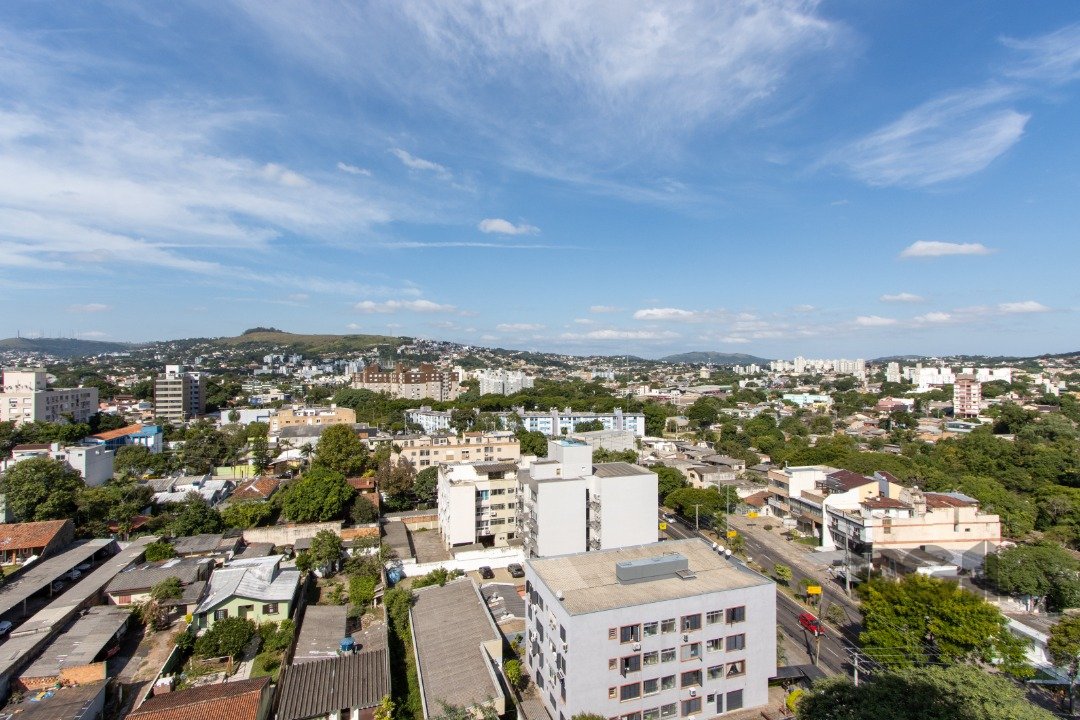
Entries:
{"x":967,"y":396}
{"x":892,"y":372}
{"x":650,"y":632}
{"x":25,"y":397}
{"x":568,"y":505}
{"x":478,"y":503}
{"x":179,"y":396}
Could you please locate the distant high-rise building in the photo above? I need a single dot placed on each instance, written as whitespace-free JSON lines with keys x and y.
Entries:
{"x":967,"y":396}
{"x":424,"y":382}
{"x":892,"y":372}
{"x":503,"y":382}
{"x":179,"y":396}
{"x":25,"y":397}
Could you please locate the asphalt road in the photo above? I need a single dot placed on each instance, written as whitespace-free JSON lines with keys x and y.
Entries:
{"x":834,"y":658}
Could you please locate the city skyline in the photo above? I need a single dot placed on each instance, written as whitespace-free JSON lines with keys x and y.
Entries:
{"x":790,"y":178}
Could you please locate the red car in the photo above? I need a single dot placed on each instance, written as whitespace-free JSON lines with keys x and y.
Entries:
{"x":811,"y":624}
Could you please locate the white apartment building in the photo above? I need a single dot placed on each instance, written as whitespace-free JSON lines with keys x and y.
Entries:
{"x":568,"y":505}
{"x":554,"y":423}
{"x":93,"y":462}
{"x":650,"y":632}
{"x":478,"y":503}
{"x":502,"y":382}
{"x":25,"y":397}
{"x":892,"y":372}
{"x":431,"y":421}
{"x":179,"y":396}
{"x":801,"y":366}
{"x":430,"y":450}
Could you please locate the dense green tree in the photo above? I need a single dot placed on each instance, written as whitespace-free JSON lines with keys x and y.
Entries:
{"x":363,"y":510}
{"x":439,"y":576}
{"x":318,"y":495}
{"x":668,"y":480}
{"x":397,"y":480}
{"x":922,"y":693}
{"x":1043,"y":570}
{"x":602,"y":455}
{"x":132,"y":461}
{"x":260,"y":453}
{"x":118,"y":501}
{"x":157,"y":551}
{"x":227,"y":637}
{"x":710,"y":501}
{"x":919,"y":620}
{"x":205,"y":447}
{"x":341,"y":451}
{"x":588,"y":426}
{"x":1064,"y":649}
{"x":41,"y":489}
{"x":703,"y":412}
{"x":532,"y":443}
{"x":247,"y":514}
{"x":193,"y":516}
{"x":326,"y":550}
{"x":425,"y":486}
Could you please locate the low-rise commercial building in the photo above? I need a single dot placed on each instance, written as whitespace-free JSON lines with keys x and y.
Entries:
{"x":147,"y":436}
{"x":19,"y":541}
{"x":668,"y":630}
{"x":25,"y":397}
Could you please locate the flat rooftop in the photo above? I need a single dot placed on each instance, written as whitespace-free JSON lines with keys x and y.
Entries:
{"x":41,"y":574}
{"x":589,"y":584}
{"x":619,"y":469}
{"x":80,"y":643}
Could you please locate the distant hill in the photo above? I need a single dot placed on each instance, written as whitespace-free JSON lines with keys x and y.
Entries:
{"x":313,"y":344}
{"x":64,"y":347}
{"x":715,"y":358}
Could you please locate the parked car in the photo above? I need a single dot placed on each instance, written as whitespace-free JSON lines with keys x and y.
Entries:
{"x":486,"y":572}
{"x":515,"y":570}
{"x":811,"y":624}
{"x":83,"y":567}
{"x":75,"y":574}
{"x":58,"y":585}
{"x":5,"y":627}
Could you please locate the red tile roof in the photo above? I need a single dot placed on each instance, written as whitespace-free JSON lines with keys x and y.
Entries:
{"x":758,"y":499}
{"x":26,"y":536}
{"x":362,"y":483}
{"x":941,"y":500}
{"x":260,"y":488}
{"x":121,"y":432}
{"x":849,"y":480}
{"x":225,"y":701}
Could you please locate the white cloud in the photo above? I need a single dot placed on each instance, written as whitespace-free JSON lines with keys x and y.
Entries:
{"x":353,"y":169}
{"x":613,"y":334}
{"x":903,"y":297}
{"x":584,"y":321}
{"x":668,"y":314}
{"x":599,"y":309}
{"x":734,"y":340}
{"x":488,"y":338}
{"x":934,"y":318}
{"x":519,"y":327}
{"x":1054,"y":57}
{"x":944,"y":139}
{"x":934,"y":248}
{"x":804,"y":308}
{"x":1025,"y":306}
{"x":283,"y":176}
{"x":416,"y":163}
{"x":874,"y":321}
{"x":505,"y":227}
{"x":393,"y":306}
{"x":90,"y":308}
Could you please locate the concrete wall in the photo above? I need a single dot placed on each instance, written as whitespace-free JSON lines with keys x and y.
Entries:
{"x":627,"y":510}
{"x":560,"y":517}
{"x":289,"y":534}
{"x":466,"y":562}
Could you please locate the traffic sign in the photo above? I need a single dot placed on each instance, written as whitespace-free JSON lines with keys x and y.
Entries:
{"x":751,"y":514}
{"x":732,"y":533}
{"x":663,"y":526}
{"x":813,"y":590}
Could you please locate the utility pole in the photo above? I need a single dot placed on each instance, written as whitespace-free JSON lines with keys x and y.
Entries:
{"x":817,"y":648}
{"x":697,"y":517}
{"x":847,"y":566}
{"x":855,"y":665}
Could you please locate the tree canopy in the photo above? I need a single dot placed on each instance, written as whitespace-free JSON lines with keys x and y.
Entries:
{"x":1043,"y":570}
{"x":41,"y":489}
{"x":319,"y":494}
{"x":341,"y":451}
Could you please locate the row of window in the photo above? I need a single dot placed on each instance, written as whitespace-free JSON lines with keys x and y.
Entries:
{"x":687,"y":623}
{"x":691,"y":706}
{"x":689,"y":651}
{"x":688,"y":679}
{"x":268,"y":609}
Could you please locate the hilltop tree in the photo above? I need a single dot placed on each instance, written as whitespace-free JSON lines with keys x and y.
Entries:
{"x":41,"y":489}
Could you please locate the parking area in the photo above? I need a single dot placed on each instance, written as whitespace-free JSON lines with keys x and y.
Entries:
{"x":428,"y":546}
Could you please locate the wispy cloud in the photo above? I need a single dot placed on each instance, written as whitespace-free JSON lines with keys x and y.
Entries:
{"x":804,"y":308}
{"x":902,"y":297}
{"x":416,"y":163}
{"x":505,"y":227}
{"x":393,"y":306}
{"x":1053,"y":57}
{"x":669,"y":314}
{"x":600,"y":309}
{"x":934,"y":248}
{"x":874,"y":321}
{"x":1025,"y":306}
{"x":519,"y":327}
{"x":617,"y":334}
{"x":353,"y":169}
{"x":934,"y":318}
{"x":89,"y":308}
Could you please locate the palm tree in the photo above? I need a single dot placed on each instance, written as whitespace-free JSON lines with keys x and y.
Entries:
{"x":306,"y":451}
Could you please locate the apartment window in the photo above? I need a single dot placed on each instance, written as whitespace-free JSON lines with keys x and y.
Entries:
{"x":691,"y":622}
{"x":690,"y":679}
{"x":630,"y":633}
{"x":667,"y":682}
{"x":612,"y":633}
{"x":736,"y":614}
{"x":668,"y":711}
{"x":691,"y":707}
{"x":651,"y":687}
{"x":736,"y":642}
{"x":631,"y":716}
{"x":734,"y":700}
{"x":651,"y":714}
{"x":714,"y":645}
{"x":650,"y":629}
{"x":612,"y":663}
{"x":629,"y":692}
{"x":667,"y":626}
{"x":736,"y":668}
{"x":691,"y":651}
{"x":270,"y":609}
{"x":713,"y":617}
{"x":716,"y":672}
{"x":630,"y":663}
{"x":651,"y":658}
{"x":667,"y":655}
{"x":612,"y":692}
{"x":221,"y":614}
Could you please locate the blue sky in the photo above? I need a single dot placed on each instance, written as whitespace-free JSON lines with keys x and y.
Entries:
{"x":776,"y":178}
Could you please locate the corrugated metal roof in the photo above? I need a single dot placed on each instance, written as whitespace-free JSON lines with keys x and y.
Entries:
{"x":315,"y":689}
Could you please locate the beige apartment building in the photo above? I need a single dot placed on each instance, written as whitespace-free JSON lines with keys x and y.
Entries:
{"x":297,"y":415}
{"x":431,"y":450}
{"x":426,"y":381}
{"x":967,"y":396}
{"x":25,"y":397}
{"x":179,"y":396}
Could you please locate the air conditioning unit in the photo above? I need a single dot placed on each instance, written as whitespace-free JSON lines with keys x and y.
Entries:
{"x":565,"y":647}
{"x":637,"y":646}
{"x":693,"y":692}
{"x":685,"y":637}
